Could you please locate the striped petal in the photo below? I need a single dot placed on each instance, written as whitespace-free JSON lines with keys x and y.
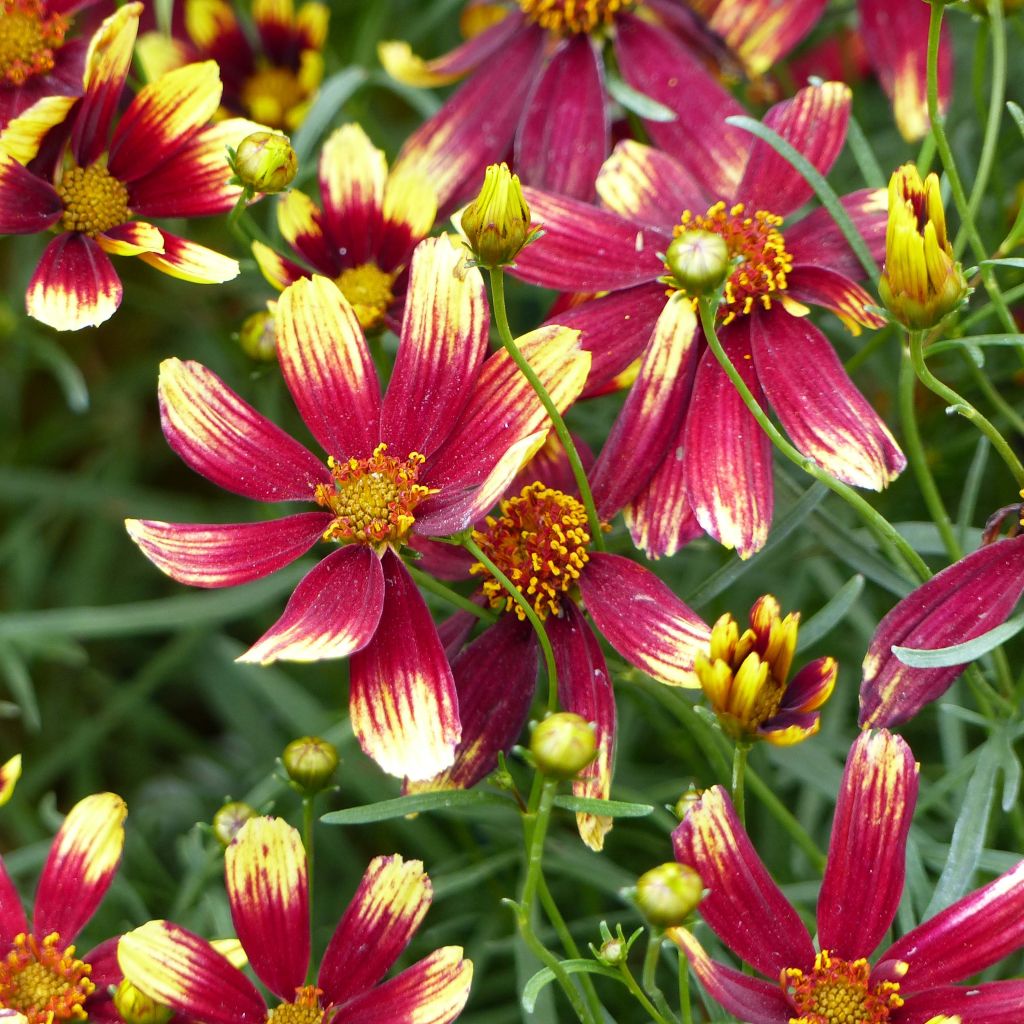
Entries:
{"x":813,"y":122}
{"x":265,"y":875}
{"x":763,"y":31}
{"x":333,"y":612}
{"x":13,"y":921}
{"x":225,"y":556}
{"x":226,"y":440}
{"x":162,"y":117}
{"x":80,"y":866}
{"x":642,"y":619}
{"x":28,"y":203}
{"x":131,"y":239}
{"x":74,"y":285}
{"x":175,"y":967}
{"x":995,"y":1002}
{"x":811,"y":686}
{"x":23,"y":135}
{"x":727,"y":457}
{"x":433,"y":991}
{"x":829,"y":289}
{"x":817,"y":403}
{"x":277,"y":269}
{"x":380,"y":921}
{"x":328,"y":368}
{"x":403,"y":704}
{"x":743,"y":907}
{"x":867,"y":852}
{"x":213,"y":28}
{"x":444,"y":341}
{"x":585,"y":688}
{"x":963,"y":601}
{"x":584,"y":249}
{"x":563,"y":136}
{"x":410,"y":209}
{"x":190,"y":261}
{"x":816,"y":239}
{"x":302,"y":226}
{"x":659,"y":518}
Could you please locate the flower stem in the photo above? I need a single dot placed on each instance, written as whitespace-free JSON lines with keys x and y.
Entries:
{"x":308,"y":821}
{"x":739,"y":770}
{"x":684,"y":989}
{"x":649,"y":978}
{"x":579,"y":475}
{"x":641,"y":996}
{"x":427,"y":582}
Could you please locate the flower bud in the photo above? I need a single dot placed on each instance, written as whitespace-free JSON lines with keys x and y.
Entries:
{"x":310,"y":762}
{"x":137,"y":1008}
{"x":698,"y":261}
{"x":265,"y":162}
{"x":256,"y":336}
{"x":668,"y":894}
{"x":497,"y":223}
{"x":563,"y":744}
{"x":9,"y":775}
{"x":685,"y":802}
{"x":230,"y":818}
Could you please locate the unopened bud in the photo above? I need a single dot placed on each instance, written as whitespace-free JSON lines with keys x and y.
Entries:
{"x":698,"y":261}
{"x":497,"y":223}
{"x":685,"y":802}
{"x":668,"y":894}
{"x":256,"y":336}
{"x":563,"y":744}
{"x":137,"y":1008}
{"x":230,"y":818}
{"x":265,"y":162}
{"x":612,"y":952}
{"x":310,"y":762}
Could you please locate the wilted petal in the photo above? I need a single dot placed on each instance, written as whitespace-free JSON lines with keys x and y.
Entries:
{"x":28,"y":204}
{"x":74,"y":286}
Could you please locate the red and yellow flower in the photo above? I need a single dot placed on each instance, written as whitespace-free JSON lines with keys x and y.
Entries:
{"x":685,"y":454}
{"x":428,"y":459}
{"x":364,"y":236}
{"x":268,"y":890}
{"x":912,"y":980}
{"x":41,"y":976}
{"x":91,"y":186}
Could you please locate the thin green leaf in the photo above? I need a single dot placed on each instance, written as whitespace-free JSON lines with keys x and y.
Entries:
{"x":333,"y":95}
{"x":1005,"y":261}
{"x":832,"y":614}
{"x":19,"y":682}
{"x":65,"y":372}
{"x":605,"y":808}
{"x":637,"y":102}
{"x":544,"y":978}
{"x":959,"y":654}
{"x":1017,"y":114}
{"x":399,"y":807}
{"x":1009,"y":764}
{"x":969,"y":495}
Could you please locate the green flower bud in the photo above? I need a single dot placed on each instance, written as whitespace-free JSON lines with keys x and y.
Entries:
{"x":230,"y":818}
{"x":256,"y":336}
{"x":685,"y":802}
{"x":265,"y":162}
{"x":137,"y":1008}
{"x":563,"y":744}
{"x":310,"y":762}
{"x":668,"y":894}
{"x":497,"y":223}
{"x":698,"y":260}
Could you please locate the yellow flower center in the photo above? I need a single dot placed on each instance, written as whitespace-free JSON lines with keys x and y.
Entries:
{"x":373,"y":499}
{"x":756,"y":239}
{"x":28,"y":37}
{"x":94,"y":200}
{"x":570,"y":17}
{"x":43,"y":981}
{"x":839,"y":992}
{"x":305,"y":1009}
{"x":368,"y":288}
{"x":540,"y":542}
{"x":271,"y":94}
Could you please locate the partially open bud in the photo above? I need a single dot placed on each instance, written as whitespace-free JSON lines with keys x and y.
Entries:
{"x":257,"y":337}
{"x":921,"y":282}
{"x":137,"y":1008}
{"x":668,"y":894}
{"x":265,"y":162}
{"x":698,"y":261}
{"x":310,"y":763}
{"x":230,"y":818}
{"x":9,"y":775}
{"x":563,"y":744}
{"x":497,"y":223}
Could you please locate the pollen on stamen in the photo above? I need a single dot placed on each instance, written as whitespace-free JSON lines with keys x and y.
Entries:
{"x":305,"y":1009}
{"x":94,"y":200}
{"x":44,"y":981}
{"x":572,"y":17}
{"x":29,"y":36}
{"x":839,"y":992}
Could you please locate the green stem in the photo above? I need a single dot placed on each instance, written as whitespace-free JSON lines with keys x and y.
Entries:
{"x":684,"y":989}
{"x":963,"y":407}
{"x":739,"y":770}
{"x":887,"y":534}
{"x":649,"y":977}
{"x":641,"y":996}
{"x":308,"y":821}
{"x":427,"y":582}
{"x":513,"y":591}
{"x":579,"y":475}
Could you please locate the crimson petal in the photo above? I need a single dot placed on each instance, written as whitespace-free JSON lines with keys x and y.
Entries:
{"x":28,"y":204}
{"x":74,"y":286}
{"x":995,"y":1002}
{"x":817,"y":240}
{"x":13,"y":921}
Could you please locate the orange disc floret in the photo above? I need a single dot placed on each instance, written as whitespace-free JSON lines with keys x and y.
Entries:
{"x":304,"y":1010}
{"x":28,"y":38}
{"x":839,"y":992}
{"x":43,"y":981}
{"x":94,"y":200}
{"x":570,"y":17}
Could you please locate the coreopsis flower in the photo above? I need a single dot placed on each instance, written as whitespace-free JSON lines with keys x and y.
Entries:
{"x":158,"y":159}
{"x":273,"y":78}
{"x":426,"y":460}
{"x":541,"y":541}
{"x":41,"y":975}
{"x":745,"y":677}
{"x":365,"y":234}
{"x":685,"y":454}
{"x":268,"y":890}
{"x":912,"y":980}
{"x":10,"y":772}
{"x":922,"y":281}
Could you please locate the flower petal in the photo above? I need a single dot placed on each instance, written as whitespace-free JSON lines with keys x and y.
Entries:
{"x":811,"y":686}
{"x":379,"y":922}
{"x":867,"y":853}
{"x":816,"y":239}
{"x":659,"y":518}
{"x":179,"y":969}
{"x":563,"y":135}
{"x":995,"y":1002}
{"x":22,"y":136}
{"x":80,"y":866}
{"x":13,"y":921}
{"x":642,"y":619}
{"x":74,"y":285}
{"x":963,"y":601}
{"x":585,"y":688}
{"x":817,"y":403}
{"x":829,"y":289}
{"x":301,"y":224}
{"x":131,"y":239}
{"x":727,"y":457}
{"x":226,"y":440}
{"x":443,"y":344}
{"x":226,"y":555}
{"x":190,"y":261}
{"x":760,"y":32}
{"x":744,"y":907}
{"x":813,"y":122}
{"x":403,"y":704}
{"x":28,"y":204}
{"x":328,"y":368}
{"x":333,"y":612}
{"x":265,"y":875}
{"x":10,"y":772}
{"x":277,"y":269}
